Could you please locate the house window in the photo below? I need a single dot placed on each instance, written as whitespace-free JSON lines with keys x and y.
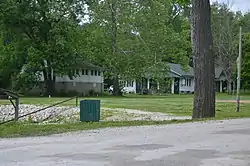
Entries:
{"x":122,"y":83}
{"x":99,"y":73}
{"x":183,"y":82}
{"x":85,"y":72}
{"x":188,"y":82}
{"x":96,"y":72}
{"x":130,"y":83}
{"x":92,"y":72}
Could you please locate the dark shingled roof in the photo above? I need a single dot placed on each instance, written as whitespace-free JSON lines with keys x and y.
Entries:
{"x":218,"y":71}
{"x":177,"y":69}
{"x":87,"y":65}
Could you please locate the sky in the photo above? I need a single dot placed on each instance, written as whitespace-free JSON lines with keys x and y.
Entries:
{"x":237,"y":5}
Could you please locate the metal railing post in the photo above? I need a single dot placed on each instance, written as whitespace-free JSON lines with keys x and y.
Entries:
{"x":17,"y":109}
{"x":76,"y":101}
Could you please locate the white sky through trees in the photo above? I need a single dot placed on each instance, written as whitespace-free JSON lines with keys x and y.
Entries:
{"x":236,"y":5}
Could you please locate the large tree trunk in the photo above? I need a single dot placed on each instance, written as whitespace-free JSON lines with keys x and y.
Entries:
{"x":204,"y":77}
{"x":229,"y":87}
{"x":113,"y":9}
{"x":234,"y":87}
{"x":116,"y":87}
{"x":49,"y":80}
{"x":49,"y":84}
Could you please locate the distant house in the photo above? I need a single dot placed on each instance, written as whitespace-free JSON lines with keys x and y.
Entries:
{"x":88,"y":79}
{"x":182,"y":81}
{"x":220,"y":80}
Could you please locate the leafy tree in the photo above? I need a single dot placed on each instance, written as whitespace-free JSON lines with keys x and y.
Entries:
{"x":225,"y":37}
{"x":46,"y":34}
{"x":246,"y":60}
{"x":111,"y":38}
{"x":164,"y":35}
{"x":243,"y":21}
{"x":136,"y":37}
{"x":11,"y":61}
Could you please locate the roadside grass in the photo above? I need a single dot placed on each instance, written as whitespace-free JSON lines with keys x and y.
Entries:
{"x":24,"y":129}
{"x":18,"y":129}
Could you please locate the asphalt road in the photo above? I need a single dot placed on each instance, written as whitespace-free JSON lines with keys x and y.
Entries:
{"x":221,"y":143}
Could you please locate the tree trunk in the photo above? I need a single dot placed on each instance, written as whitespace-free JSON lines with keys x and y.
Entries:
{"x":204,"y":77}
{"x":49,"y":81}
{"x":50,"y":87}
{"x":234,"y":87}
{"x":116,"y":87}
{"x":113,"y":9}
{"x":229,"y":87}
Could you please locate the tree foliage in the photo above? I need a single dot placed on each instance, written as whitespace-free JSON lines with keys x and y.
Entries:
{"x":246,"y":61}
{"x":44,"y":33}
{"x":131,"y":38}
{"x":225,"y":39}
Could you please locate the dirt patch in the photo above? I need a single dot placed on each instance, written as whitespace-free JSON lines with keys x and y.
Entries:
{"x":232,"y":101}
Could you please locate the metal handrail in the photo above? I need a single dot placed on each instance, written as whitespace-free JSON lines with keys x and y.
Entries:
{"x":76,"y":97}
{"x":10,"y":93}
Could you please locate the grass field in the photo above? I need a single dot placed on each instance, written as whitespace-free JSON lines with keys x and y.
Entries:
{"x":172,"y":104}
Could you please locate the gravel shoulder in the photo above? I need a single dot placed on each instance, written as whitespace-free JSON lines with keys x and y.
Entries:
{"x":65,"y":114}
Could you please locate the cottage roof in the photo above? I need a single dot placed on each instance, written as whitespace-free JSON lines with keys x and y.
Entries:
{"x":177,"y":69}
{"x":87,"y":65}
{"x":218,"y":71}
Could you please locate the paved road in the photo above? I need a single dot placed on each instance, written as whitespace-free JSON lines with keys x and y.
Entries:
{"x":224,"y":143}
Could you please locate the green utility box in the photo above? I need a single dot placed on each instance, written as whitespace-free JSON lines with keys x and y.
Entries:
{"x":90,"y":110}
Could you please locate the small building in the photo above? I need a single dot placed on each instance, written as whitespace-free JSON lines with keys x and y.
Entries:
{"x":86,"y":78}
{"x":182,"y":81}
{"x":220,"y":80}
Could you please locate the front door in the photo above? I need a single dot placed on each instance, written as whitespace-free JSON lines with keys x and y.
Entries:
{"x":176,"y":85}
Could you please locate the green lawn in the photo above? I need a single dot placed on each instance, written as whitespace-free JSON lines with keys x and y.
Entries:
{"x":172,"y":104}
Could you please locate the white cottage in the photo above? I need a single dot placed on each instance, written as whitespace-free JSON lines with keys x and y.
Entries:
{"x":220,"y":80}
{"x":182,"y":81}
{"x":88,"y":79}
